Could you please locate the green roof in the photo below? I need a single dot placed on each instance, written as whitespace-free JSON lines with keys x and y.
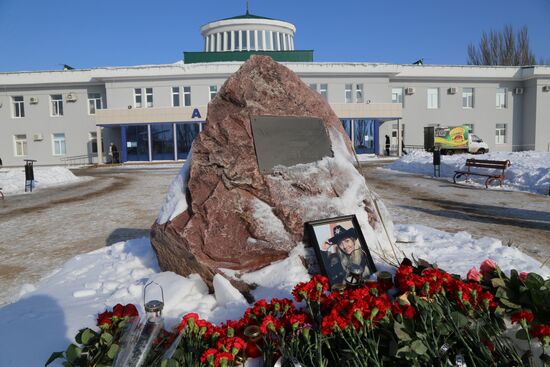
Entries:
{"x":248,"y":16}
{"x":281,"y":56}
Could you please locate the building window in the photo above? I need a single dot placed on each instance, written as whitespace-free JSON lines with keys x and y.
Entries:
{"x":281,"y":42}
{"x":348,"y":93}
{"x":275,"y":41}
{"x":56,"y":104}
{"x":213,"y":92}
{"x":433,"y":98}
{"x":268,"y":38}
{"x":500,"y":135}
{"x":252,"y":40}
{"x":501,"y":98}
{"x":137,"y":98}
{"x":175,"y":96}
{"x":92,"y":137}
{"x":323,"y":91}
{"x":237,"y":39}
{"x":229,"y":41}
{"x":187,"y":96}
{"x":94,"y":103}
{"x":18,"y":106}
{"x":467,"y":97}
{"x":397,"y":95}
{"x":470,"y":128}
{"x":260,"y":40}
{"x":20,"y":143}
{"x":313,"y":86}
{"x":359,"y":93}
{"x":244,"y":40}
{"x":149,"y":97}
{"x":58,"y":142}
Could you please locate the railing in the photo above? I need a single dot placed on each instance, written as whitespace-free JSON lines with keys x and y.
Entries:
{"x":414,"y":147}
{"x":80,"y":160}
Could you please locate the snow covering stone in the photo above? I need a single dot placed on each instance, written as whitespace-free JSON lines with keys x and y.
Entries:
{"x":225,"y":293}
{"x":236,"y":218}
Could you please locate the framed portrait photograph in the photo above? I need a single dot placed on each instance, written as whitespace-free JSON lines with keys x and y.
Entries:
{"x":340,"y":248}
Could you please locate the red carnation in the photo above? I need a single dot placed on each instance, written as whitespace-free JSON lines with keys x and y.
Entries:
{"x":268,"y":324}
{"x":188,"y":319}
{"x":542,"y":332}
{"x":208,"y":355}
{"x":222,"y":359}
{"x":525,"y":316}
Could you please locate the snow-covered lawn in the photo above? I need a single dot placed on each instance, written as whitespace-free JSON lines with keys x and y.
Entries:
{"x":12,"y":180}
{"x":48,"y":315}
{"x":530,"y":171}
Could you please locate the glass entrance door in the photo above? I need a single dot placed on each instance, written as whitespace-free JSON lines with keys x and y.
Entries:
{"x":137,"y":143}
{"x":185,"y":134}
{"x":363,"y":137}
{"x":162,"y":142}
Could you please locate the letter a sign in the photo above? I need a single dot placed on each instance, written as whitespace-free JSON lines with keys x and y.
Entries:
{"x":196,"y":113}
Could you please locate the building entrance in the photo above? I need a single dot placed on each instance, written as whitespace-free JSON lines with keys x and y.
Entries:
{"x":363,"y":133}
{"x":153,"y":142}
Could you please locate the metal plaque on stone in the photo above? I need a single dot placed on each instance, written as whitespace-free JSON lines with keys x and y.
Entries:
{"x":289,"y":140}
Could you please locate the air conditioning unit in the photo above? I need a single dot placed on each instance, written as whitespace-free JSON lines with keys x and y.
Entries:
{"x":546,"y":88}
{"x":33,"y":100}
{"x":452,"y":90}
{"x":518,"y":90}
{"x":71,"y":97}
{"x":409,"y":91}
{"x":37,"y":137}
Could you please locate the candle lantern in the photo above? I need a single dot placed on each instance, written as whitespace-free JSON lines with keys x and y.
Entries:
{"x":338,"y":288}
{"x":385,"y":279}
{"x":142,"y":338}
{"x":354,"y":278}
{"x":252,"y":332}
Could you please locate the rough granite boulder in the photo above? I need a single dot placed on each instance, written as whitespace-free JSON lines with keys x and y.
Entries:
{"x":222,"y":213}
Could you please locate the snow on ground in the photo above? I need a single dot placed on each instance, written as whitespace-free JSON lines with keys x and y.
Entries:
{"x":48,"y":315}
{"x":373,"y":158}
{"x":530,"y":171}
{"x":12,"y":180}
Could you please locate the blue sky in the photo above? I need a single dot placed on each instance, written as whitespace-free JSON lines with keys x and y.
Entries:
{"x":42,"y":34}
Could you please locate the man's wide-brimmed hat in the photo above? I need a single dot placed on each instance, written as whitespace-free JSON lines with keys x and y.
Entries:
{"x":340,"y":233}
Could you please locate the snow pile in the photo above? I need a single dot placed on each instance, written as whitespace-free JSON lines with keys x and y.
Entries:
{"x":12,"y":180}
{"x":48,"y":315}
{"x":530,"y":171}
{"x":175,"y":202}
{"x":457,"y":252}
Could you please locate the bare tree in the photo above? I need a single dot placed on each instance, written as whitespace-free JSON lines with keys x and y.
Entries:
{"x":502,"y":48}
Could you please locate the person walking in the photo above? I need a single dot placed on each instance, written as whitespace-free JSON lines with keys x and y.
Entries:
{"x":387,"y":145}
{"x":114,"y":153}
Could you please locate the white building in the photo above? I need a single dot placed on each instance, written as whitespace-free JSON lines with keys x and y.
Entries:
{"x":153,"y":113}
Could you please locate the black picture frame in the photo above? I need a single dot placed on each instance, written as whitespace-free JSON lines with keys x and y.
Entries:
{"x":336,"y":259}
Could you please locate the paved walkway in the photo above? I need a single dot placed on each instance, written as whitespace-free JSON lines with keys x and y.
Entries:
{"x":516,"y":218}
{"x":42,"y":230}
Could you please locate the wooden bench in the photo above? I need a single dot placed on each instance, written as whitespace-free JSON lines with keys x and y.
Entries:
{"x":488,"y":164}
